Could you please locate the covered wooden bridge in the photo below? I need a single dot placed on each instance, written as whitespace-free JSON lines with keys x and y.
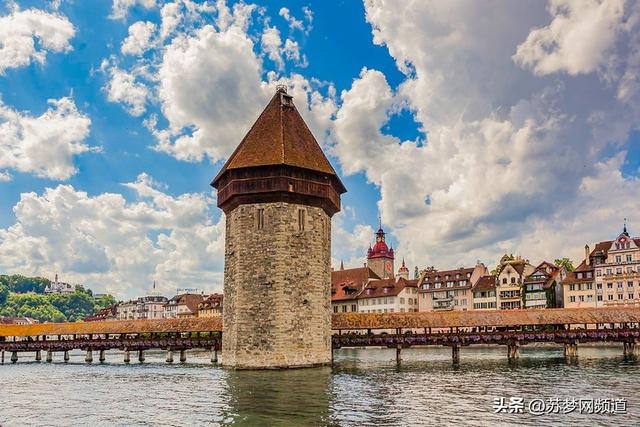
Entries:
{"x":456,"y":329}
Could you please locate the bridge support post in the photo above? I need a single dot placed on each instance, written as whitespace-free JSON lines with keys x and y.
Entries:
{"x":629,"y":348}
{"x":398,"y":356}
{"x":14,"y":357}
{"x":513,"y":351}
{"x":66,"y":356}
{"x":102,"y":357}
{"x":127,"y":356}
{"x":49,"y":356}
{"x":38,"y":356}
{"x":571,"y":349}
{"x":141,"y":356}
{"x":455,"y":353}
{"x":214,"y":355}
{"x":2,"y":357}
{"x":169,"y":356}
{"x":183,"y":356}
{"x":89,"y":357}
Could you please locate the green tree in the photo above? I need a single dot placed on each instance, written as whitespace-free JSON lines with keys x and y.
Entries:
{"x":566,"y":262}
{"x":22,"y":284}
{"x":4,"y":293}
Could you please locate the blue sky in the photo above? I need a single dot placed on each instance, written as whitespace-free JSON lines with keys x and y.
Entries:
{"x":522,"y":134}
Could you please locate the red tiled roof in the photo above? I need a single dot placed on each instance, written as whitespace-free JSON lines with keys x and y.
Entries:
{"x":485,"y":283}
{"x":352,"y":278}
{"x":279,"y":137}
{"x":386,"y":287}
{"x":429,"y":279}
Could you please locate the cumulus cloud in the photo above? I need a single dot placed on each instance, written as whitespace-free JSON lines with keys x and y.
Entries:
{"x":5,"y":176}
{"x":508,"y":155}
{"x":27,"y":35}
{"x":576,"y":40}
{"x":44,"y":145}
{"x":120,"y":8}
{"x":298,"y":24}
{"x":116,"y":245}
{"x":140,"y":38}
{"x":123,"y":88}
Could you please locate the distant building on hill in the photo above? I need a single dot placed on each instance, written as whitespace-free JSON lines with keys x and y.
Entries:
{"x":17,"y":320}
{"x":57,"y":287}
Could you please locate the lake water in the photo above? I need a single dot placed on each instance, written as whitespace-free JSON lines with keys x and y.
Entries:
{"x":365,"y":387}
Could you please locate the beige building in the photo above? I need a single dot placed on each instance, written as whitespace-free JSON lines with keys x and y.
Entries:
{"x":484,"y":293}
{"x":211,"y":306}
{"x":183,"y":305}
{"x":608,"y":276}
{"x":450,"y":289}
{"x":389,"y":296}
{"x":511,"y":273}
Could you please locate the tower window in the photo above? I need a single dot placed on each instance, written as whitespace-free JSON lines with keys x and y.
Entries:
{"x":260,"y":219}
{"x":301,"y":218}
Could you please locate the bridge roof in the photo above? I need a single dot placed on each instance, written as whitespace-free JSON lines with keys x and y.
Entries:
{"x":203,"y":324}
{"x":452,"y":319}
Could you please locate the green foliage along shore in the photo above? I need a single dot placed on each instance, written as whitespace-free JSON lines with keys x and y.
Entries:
{"x":24,"y":296}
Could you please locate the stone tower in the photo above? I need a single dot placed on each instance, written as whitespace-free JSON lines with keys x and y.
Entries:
{"x":279,"y":192}
{"x":380,"y":257}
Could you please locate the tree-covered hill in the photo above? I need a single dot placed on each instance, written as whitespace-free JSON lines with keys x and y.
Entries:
{"x":24,"y":296}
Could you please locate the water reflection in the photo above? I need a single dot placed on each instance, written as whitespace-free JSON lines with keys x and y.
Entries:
{"x":297,"y":397}
{"x":365,"y":387}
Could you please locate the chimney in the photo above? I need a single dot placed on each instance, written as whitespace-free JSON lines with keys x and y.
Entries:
{"x":586,"y":254}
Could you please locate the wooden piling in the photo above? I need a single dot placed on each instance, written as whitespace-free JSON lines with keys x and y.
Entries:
{"x":455,"y":353}
{"x":66,"y":356}
{"x":49,"y":356}
{"x":89,"y":357}
{"x":102,"y":357}
{"x":214,"y":355}
{"x":169,"y":356}
{"x":183,"y":356}
{"x":127,"y":356}
{"x":14,"y":357}
{"x":38,"y":356}
{"x":141,"y":356}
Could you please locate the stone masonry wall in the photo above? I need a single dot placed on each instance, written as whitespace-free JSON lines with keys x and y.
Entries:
{"x":277,"y":288}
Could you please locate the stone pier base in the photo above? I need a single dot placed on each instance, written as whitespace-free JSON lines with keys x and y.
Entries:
{"x":513,"y":351}
{"x":571,"y":350}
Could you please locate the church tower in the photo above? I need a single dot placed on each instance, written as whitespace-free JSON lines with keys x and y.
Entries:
{"x":279,"y":192}
{"x":380,"y":257}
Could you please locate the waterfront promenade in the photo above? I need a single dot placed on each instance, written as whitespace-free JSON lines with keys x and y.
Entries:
{"x":454,"y":329}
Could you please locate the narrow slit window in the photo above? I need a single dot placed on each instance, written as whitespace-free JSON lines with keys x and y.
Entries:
{"x":301,"y":220}
{"x":260,"y":219}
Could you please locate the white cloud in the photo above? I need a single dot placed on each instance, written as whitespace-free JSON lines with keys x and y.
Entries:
{"x":43,"y":145}
{"x":120,"y":8}
{"x":140,"y":38}
{"x":5,"y":176}
{"x":297,"y":24}
{"x":272,"y":45}
{"x":123,"y":87}
{"x":577,"y":39}
{"x":26,"y":36}
{"x":114,"y":245}
{"x":508,"y":153}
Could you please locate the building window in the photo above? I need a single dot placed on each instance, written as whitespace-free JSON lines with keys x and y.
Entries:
{"x":572,"y":287}
{"x":354,"y":307}
{"x":598,"y":285}
{"x":619,"y":285}
{"x":599,"y":297}
{"x":504,"y":281}
{"x":260,"y":219}
{"x":629,"y":258}
{"x":609,"y":285}
{"x":335,"y":308}
{"x":618,"y":259}
{"x":609,"y":271}
{"x":513,"y":280}
{"x":589,"y":298}
{"x":572,"y":298}
{"x":301,"y":219}
{"x":630,"y":296}
{"x":620,"y":296}
{"x":589,"y":285}
{"x":581,"y":298}
{"x":619,"y":270}
{"x":610,"y":297}
{"x":598,"y":272}
{"x":344,"y":308}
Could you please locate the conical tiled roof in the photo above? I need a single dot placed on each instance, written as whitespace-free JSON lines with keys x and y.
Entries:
{"x":279,"y":137}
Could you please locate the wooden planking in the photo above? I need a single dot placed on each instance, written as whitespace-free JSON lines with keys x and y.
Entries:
{"x":204,"y":324}
{"x":346,"y":321}
{"x":475,"y":318}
